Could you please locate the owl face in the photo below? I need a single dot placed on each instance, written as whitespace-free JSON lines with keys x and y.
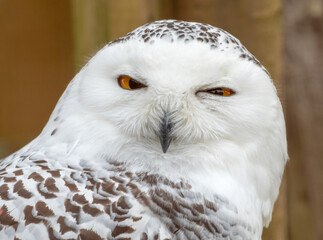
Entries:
{"x":175,"y":94}
{"x":185,"y":100}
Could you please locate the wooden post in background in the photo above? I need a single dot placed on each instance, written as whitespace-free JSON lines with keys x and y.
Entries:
{"x":303,"y":24}
{"x":90,"y":29}
{"x":35,"y":66}
{"x":96,"y":22}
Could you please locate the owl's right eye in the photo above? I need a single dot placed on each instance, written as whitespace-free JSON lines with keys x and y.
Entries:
{"x":129,"y":83}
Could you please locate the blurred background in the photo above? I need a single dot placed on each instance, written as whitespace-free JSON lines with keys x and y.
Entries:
{"x":43,"y":43}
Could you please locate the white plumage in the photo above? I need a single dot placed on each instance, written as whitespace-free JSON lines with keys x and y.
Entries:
{"x":98,"y":169}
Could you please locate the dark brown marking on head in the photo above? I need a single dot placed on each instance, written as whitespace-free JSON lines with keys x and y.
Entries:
{"x":50,"y":185}
{"x":80,"y":199}
{"x":116,"y":164}
{"x":45,"y":194}
{"x":19,"y":172}
{"x":40,"y":161}
{"x":93,"y":211}
{"x":53,"y":132}
{"x":43,"y":209}
{"x":36,"y":177}
{"x":86,"y":234}
{"x":29,"y":217}
{"x":19,"y":188}
{"x":63,"y":226}
{"x":121,"y":229}
{"x":6,"y":219}
{"x":4,"y":191}
{"x":54,"y":173}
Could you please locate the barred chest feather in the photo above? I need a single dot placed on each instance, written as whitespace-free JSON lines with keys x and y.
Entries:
{"x":41,"y":198}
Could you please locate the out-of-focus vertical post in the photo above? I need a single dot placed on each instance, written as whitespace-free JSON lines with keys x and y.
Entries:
{"x":303,"y":43}
{"x":96,"y":22}
{"x":90,"y":29}
{"x":35,"y":66}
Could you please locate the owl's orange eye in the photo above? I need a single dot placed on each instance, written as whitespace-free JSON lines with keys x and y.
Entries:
{"x":221,"y":91}
{"x":129,"y":83}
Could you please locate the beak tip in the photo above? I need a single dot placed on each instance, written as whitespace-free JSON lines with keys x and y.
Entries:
{"x":165,"y":144}
{"x":164,"y":150}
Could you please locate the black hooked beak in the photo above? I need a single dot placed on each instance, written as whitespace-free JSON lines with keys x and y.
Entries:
{"x":164,"y":132}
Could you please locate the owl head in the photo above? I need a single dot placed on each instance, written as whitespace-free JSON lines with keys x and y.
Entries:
{"x":179,"y":95}
{"x":173,"y":83}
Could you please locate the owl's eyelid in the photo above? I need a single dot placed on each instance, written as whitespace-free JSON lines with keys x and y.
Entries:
{"x":133,"y":78}
{"x":208,"y":90}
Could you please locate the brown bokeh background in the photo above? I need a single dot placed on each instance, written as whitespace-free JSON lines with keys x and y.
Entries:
{"x":43,"y":43}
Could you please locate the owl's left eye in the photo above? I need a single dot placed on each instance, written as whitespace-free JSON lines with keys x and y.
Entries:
{"x":221,"y":91}
{"x":129,"y":83}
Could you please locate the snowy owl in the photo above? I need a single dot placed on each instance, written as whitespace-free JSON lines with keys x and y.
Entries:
{"x":173,"y":131}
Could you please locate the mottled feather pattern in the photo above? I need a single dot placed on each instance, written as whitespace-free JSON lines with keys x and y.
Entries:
{"x":173,"y":30}
{"x":83,"y":203}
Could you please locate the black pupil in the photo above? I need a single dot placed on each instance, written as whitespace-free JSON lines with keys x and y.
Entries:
{"x":217,"y":91}
{"x":134,"y":84}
